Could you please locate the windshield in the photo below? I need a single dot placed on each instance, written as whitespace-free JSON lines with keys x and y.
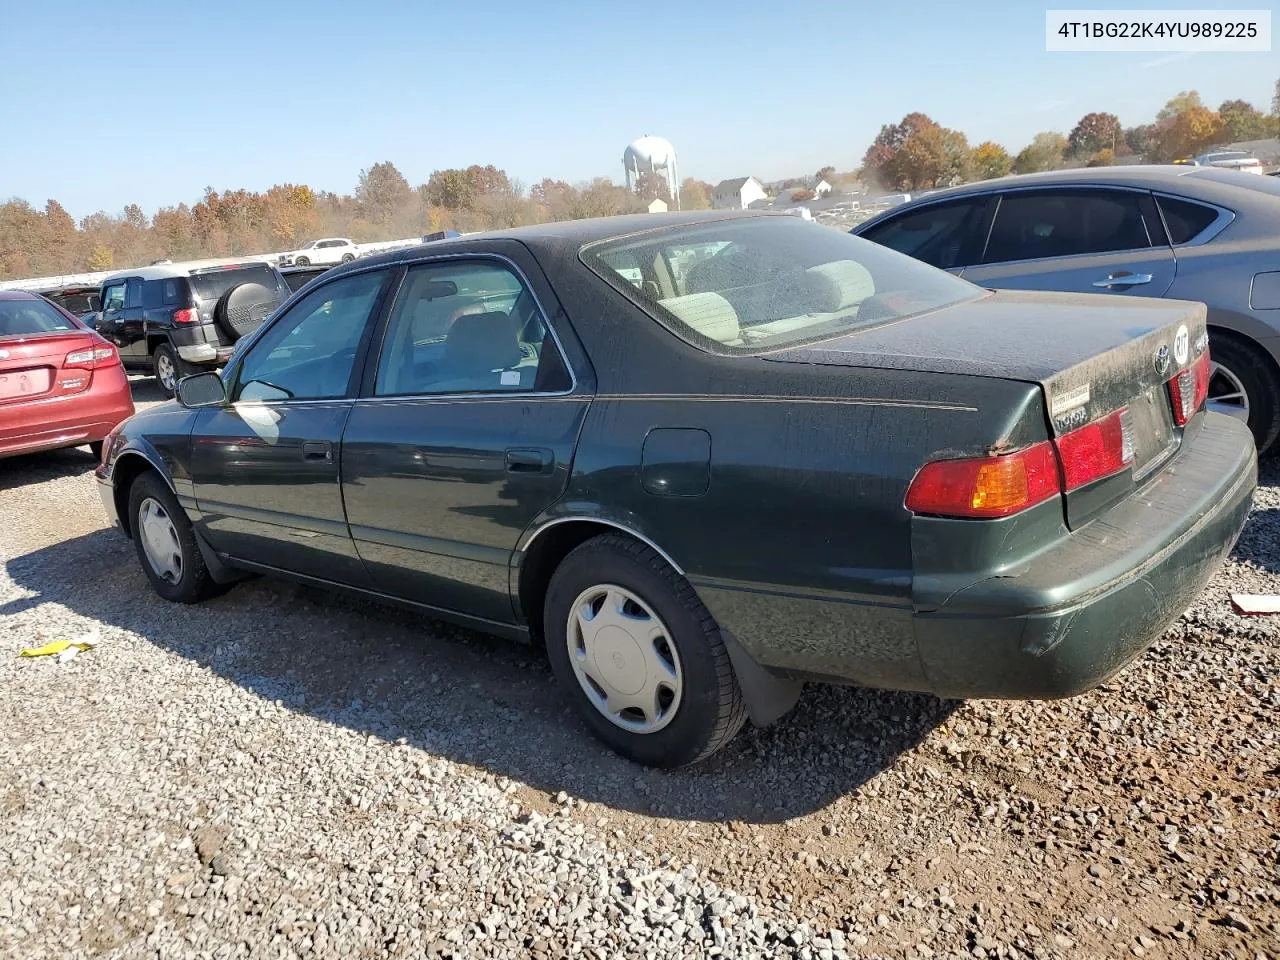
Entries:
{"x":32,"y":317}
{"x":744,"y":286}
{"x":211,"y":286}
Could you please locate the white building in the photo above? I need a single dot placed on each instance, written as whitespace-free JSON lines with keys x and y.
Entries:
{"x":821,"y":188}
{"x":737,"y":194}
{"x":658,"y":205}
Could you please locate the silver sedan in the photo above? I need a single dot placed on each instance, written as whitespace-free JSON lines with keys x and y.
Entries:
{"x":1178,"y":232}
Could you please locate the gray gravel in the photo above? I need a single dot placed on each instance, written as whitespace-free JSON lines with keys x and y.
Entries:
{"x":280,"y":772}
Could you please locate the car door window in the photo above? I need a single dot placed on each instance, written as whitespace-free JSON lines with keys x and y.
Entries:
{"x":936,"y":233}
{"x":1036,"y":224}
{"x":113,"y":298}
{"x":310,"y":352}
{"x":467,"y":327}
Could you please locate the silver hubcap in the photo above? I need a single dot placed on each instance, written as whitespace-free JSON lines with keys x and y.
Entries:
{"x":160,"y":540}
{"x":164,"y":367}
{"x":624,"y":659}
{"x":1226,"y":393}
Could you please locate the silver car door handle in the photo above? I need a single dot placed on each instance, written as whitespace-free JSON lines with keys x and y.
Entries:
{"x":1123,"y":280}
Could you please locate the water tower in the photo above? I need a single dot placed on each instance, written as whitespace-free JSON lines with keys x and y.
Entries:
{"x":655,"y":155}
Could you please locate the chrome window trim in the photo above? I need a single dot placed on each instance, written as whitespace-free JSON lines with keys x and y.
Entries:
{"x":474,"y":395}
{"x":1224,"y":219}
{"x":529,"y":538}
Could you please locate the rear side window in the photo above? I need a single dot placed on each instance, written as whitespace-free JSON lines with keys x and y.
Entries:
{"x":1185,"y":220}
{"x":938,"y":234}
{"x":28,"y":317}
{"x":210,"y":287}
{"x":1033,"y":225}
{"x":161,"y":293}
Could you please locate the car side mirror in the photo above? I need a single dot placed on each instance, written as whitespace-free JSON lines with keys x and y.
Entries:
{"x":202,"y":390}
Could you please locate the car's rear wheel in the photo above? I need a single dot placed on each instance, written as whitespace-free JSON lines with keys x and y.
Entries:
{"x":165,"y":543}
{"x":1243,"y":385}
{"x":302,"y":262}
{"x":640,"y":656}
{"x":169,"y":368}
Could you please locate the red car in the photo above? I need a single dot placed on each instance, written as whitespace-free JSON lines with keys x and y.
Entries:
{"x":61,"y":385}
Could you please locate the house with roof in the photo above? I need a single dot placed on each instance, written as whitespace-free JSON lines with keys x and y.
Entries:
{"x":737,"y":194}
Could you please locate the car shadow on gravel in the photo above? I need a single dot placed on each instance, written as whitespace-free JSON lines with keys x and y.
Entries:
{"x":32,"y":468}
{"x":482,"y":701}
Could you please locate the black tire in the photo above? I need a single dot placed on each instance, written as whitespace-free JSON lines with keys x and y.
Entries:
{"x":194,"y":584}
{"x":96,"y":449}
{"x":710,"y":710}
{"x":163,"y":359}
{"x":348,"y":257}
{"x":302,"y":262}
{"x":1247,"y":364}
{"x":241,"y":310}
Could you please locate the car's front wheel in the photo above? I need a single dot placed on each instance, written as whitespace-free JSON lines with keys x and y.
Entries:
{"x":165,"y":542}
{"x":348,"y":257}
{"x":640,"y":656}
{"x":302,"y":262}
{"x":1242,"y":385}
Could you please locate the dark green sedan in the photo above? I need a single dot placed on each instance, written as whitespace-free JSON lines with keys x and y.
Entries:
{"x":705,"y":458}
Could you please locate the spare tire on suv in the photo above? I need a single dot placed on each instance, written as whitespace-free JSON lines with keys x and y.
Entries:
{"x":241,"y":310}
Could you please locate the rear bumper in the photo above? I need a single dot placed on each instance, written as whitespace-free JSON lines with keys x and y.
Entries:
{"x":1081,"y":611}
{"x":69,"y":421}
{"x":201,"y":343}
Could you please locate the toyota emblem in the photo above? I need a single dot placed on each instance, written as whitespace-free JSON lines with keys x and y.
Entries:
{"x":1162,"y":360}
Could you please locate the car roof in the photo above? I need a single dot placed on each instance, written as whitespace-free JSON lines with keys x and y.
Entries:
{"x":169,"y":271}
{"x":559,"y":233}
{"x":1167,"y":174}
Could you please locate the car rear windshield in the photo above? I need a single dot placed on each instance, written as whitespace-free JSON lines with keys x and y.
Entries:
{"x":745,"y":286}
{"x":212,"y":285}
{"x":19,"y":318}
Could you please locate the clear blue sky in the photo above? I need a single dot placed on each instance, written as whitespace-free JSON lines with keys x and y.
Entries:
{"x":151,"y":102}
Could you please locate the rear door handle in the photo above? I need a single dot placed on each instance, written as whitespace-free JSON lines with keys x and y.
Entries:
{"x":317,"y":450}
{"x":1123,"y":280}
{"x":525,"y":460}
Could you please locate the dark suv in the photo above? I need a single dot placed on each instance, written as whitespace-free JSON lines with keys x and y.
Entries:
{"x":177,"y":319}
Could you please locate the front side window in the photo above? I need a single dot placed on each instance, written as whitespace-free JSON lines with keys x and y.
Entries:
{"x":936,"y":233}
{"x":113,"y":298}
{"x":1033,"y":225}
{"x":309,"y":353}
{"x":467,"y":326}
{"x":745,"y":286}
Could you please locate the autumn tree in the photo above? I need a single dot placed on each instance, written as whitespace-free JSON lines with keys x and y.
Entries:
{"x":1185,"y":131}
{"x":488,"y":180}
{"x":1182,"y":102}
{"x":1044,"y":152}
{"x":1105,"y":157}
{"x":827,"y":173}
{"x":917,"y":152}
{"x":695,"y":194}
{"x":991,"y":160}
{"x":1139,"y":139}
{"x":382,"y":192}
{"x":1240,"y":121}
{"x":1094,"y":132}
{"x":451,"y":188}
{"x":100,"y":258}
{"x":651,"y":186}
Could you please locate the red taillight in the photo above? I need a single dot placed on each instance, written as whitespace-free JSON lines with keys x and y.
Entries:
{"x":986,"y":486}
{"x":1189,"y":390}
{"x":1096,"y":450}
{"x":91,"y":358}
{"x":186,"y":315}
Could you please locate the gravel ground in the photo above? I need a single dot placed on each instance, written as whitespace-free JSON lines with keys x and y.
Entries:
{"x":280,"y":772}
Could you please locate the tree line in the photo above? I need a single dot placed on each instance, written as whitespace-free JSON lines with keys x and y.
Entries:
{"x":44,"y":242}
{"x":918,"y":153}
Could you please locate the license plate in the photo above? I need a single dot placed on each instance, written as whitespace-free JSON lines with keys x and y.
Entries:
{"x":22,"y":383}
{"x":1152,"y":420}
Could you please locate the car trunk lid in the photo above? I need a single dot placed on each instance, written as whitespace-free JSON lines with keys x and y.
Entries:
{"x":1092,"y":356}
{"x":32,"y":366}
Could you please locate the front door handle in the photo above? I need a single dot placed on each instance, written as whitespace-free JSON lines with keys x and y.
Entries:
{"x":527,"y":460}
{"x":1123,"y":280}
{"x":317,"y":450}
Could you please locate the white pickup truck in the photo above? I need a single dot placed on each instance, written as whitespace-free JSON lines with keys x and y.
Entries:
{"x":320,"y":253}
{"x":1230,"y":160}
